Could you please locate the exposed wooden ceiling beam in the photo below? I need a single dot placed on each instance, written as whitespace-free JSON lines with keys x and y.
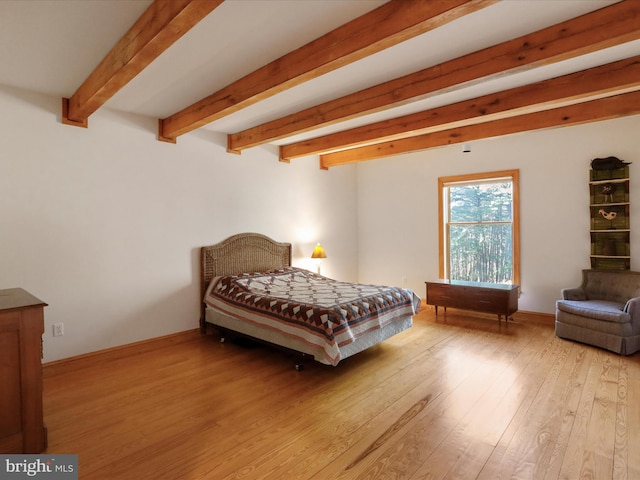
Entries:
{"x":606,"y":80}
{"x":164,"y":22}
{"x":388,"y":25}
{"x":609,"y":26}
{"x":593,"y":111}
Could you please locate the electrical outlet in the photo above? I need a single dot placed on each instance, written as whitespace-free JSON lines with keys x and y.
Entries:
{"x":58,"y":329}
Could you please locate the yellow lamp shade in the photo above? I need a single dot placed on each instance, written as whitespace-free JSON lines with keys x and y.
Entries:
{"x":318,"y":252}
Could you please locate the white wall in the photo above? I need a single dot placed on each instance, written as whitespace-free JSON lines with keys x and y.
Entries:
{"x":104,"y":224}
{"x":397,"y":205}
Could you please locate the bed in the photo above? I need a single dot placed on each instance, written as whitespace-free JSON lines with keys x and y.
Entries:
{"x":249,"y":288}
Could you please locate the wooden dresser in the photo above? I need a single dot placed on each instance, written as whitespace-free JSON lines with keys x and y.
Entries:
{"x":22,"y":427}
{"x":480,"y":297}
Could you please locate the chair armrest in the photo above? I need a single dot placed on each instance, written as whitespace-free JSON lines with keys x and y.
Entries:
{"x":577,"y":293}
{"x":632,"y":307}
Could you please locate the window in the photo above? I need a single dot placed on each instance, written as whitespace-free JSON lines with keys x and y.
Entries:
{"x":479,"y":224}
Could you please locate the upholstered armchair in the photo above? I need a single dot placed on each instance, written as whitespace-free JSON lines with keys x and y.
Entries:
{"x":604,"y":311}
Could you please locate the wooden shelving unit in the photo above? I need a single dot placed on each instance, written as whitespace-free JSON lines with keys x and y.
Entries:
{"x":610,"y":225}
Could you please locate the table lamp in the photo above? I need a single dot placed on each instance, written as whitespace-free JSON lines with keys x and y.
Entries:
{"x":319,"y":254}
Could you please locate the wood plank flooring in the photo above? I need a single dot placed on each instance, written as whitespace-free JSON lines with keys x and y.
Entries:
{"x":464,"y":397}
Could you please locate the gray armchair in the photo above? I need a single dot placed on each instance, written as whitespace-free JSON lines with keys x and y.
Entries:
{"x":604,"y":311}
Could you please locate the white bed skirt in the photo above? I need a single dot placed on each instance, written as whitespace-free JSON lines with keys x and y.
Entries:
{"x":363,"y":342}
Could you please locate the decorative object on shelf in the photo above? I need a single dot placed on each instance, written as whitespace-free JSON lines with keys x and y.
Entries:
{"x":608,"y":189}
{"x":609,"y":206}
{"x":318,"y":254}
{"x":608,"y":163}
{"x":607,"y":215}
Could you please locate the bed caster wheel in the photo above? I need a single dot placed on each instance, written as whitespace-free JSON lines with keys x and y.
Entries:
{"x":299,"y":367}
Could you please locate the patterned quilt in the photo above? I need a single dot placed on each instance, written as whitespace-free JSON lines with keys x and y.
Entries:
{"x":320,"y":311}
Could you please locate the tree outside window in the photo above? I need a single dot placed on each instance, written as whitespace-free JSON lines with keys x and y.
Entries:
{"x":479,"y":227}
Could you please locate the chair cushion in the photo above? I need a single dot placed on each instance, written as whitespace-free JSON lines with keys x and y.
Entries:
{"x":596,"y":309}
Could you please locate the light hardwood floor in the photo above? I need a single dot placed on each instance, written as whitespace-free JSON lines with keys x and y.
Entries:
{"x":461,"y":398}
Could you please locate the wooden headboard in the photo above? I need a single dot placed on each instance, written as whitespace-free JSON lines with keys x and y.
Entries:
{"x":242,"y":253}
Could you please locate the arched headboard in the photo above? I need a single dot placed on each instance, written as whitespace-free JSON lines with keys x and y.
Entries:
{"x":242,"y":253}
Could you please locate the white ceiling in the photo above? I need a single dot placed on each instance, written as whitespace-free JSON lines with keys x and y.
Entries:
{"x":51,"y":46}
